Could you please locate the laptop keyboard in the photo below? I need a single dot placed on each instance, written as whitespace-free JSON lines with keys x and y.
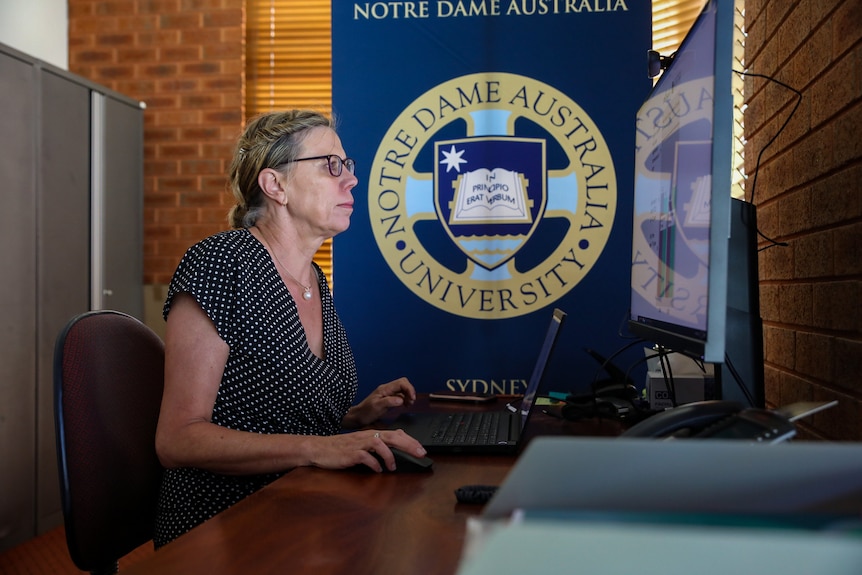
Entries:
{"x":469,"y":429}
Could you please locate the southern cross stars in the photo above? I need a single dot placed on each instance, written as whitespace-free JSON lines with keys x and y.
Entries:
{"x":453,"y":159}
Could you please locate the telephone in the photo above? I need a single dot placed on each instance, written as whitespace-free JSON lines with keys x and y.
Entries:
{"x":716,"y":419}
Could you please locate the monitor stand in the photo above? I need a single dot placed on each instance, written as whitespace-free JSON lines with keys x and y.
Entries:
{"x":744,"y":337}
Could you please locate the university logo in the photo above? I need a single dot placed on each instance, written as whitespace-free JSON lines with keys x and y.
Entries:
{"x":492,"y":195}
{"x":490,"y":211}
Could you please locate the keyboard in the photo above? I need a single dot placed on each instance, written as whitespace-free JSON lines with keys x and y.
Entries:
{"x":471,"y":428}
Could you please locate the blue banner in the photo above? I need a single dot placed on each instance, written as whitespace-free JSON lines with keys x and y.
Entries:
{"x":494,"y":143}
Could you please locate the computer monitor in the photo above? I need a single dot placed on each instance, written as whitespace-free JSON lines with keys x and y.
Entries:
{"x":694,"y":281}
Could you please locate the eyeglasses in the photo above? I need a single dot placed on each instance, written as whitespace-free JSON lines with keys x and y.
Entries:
{"x":334,"y":162}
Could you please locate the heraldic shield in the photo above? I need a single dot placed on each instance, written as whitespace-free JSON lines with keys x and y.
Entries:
{"x":490,"y":194}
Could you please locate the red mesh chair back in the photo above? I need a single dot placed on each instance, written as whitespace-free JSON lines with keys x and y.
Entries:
{"x":108,"y":383}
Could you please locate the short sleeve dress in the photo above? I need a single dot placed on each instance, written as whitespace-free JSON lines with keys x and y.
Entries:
{"x":272,"y":382}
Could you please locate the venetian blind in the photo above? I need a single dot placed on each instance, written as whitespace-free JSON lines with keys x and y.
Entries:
{"x":671,"y":20}
{"x":289,"y":65}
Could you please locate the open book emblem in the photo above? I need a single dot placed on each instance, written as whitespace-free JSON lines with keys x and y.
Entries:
{"x":490,"y":194}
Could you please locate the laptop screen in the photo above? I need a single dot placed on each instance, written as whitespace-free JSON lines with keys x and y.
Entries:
{"x":542,"y":361}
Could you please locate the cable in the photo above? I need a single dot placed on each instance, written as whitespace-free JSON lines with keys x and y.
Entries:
{"x":641,"y":360}
{"x":667,"y":372}
{"x":781,"y":129}
{"x":738,"y":380}
{"x":607,"y":361}
{"x":772,"y":242}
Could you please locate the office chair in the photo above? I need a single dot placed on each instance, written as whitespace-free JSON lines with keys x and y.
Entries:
{"x":108,"y":383}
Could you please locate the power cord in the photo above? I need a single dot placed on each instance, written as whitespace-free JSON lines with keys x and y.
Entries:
{"x":772,"y":242}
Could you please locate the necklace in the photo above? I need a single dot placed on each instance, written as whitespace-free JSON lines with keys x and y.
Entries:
{"x":306,"y":293}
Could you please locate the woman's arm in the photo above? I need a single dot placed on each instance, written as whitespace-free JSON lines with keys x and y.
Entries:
{"x":195,"y":357}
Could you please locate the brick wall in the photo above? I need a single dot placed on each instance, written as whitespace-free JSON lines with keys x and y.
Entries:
{"x":809,"y":194}
{"x":184,"y":59}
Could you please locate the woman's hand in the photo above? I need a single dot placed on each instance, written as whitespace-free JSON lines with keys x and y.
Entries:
{"x":358,"y":448}
{"x":397,"y":393}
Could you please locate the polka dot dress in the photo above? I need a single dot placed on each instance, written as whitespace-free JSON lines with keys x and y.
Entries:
{"x":272,"y":382}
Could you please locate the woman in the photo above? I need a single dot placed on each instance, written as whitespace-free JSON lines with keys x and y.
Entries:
{"x":259,"y":376}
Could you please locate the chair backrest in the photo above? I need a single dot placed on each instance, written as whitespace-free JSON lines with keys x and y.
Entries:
{"x":108,"y":383}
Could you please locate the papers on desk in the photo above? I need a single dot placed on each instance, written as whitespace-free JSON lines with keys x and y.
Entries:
{"x":623,"y":506}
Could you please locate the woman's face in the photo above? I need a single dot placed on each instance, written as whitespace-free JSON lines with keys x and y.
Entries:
{"x":320,"y":203}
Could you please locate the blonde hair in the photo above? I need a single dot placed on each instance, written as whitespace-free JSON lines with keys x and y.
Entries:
{"x":271,"y":140}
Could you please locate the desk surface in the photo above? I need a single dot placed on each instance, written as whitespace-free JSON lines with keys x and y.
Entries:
{"x":319,"y":521}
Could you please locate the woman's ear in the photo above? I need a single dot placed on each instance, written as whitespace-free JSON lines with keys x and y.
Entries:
{"x":268,"y":180}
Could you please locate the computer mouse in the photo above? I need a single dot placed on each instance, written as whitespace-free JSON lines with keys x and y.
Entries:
{"x":404,"y":463}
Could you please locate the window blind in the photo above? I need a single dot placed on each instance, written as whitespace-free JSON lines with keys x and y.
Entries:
{"x":289,"y":65}
{"x":671,"y":20}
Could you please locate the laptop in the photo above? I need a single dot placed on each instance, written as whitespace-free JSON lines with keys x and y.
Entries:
{"x":483,"y":432}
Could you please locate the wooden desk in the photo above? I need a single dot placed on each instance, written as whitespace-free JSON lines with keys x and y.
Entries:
{"x":337,"y":522}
